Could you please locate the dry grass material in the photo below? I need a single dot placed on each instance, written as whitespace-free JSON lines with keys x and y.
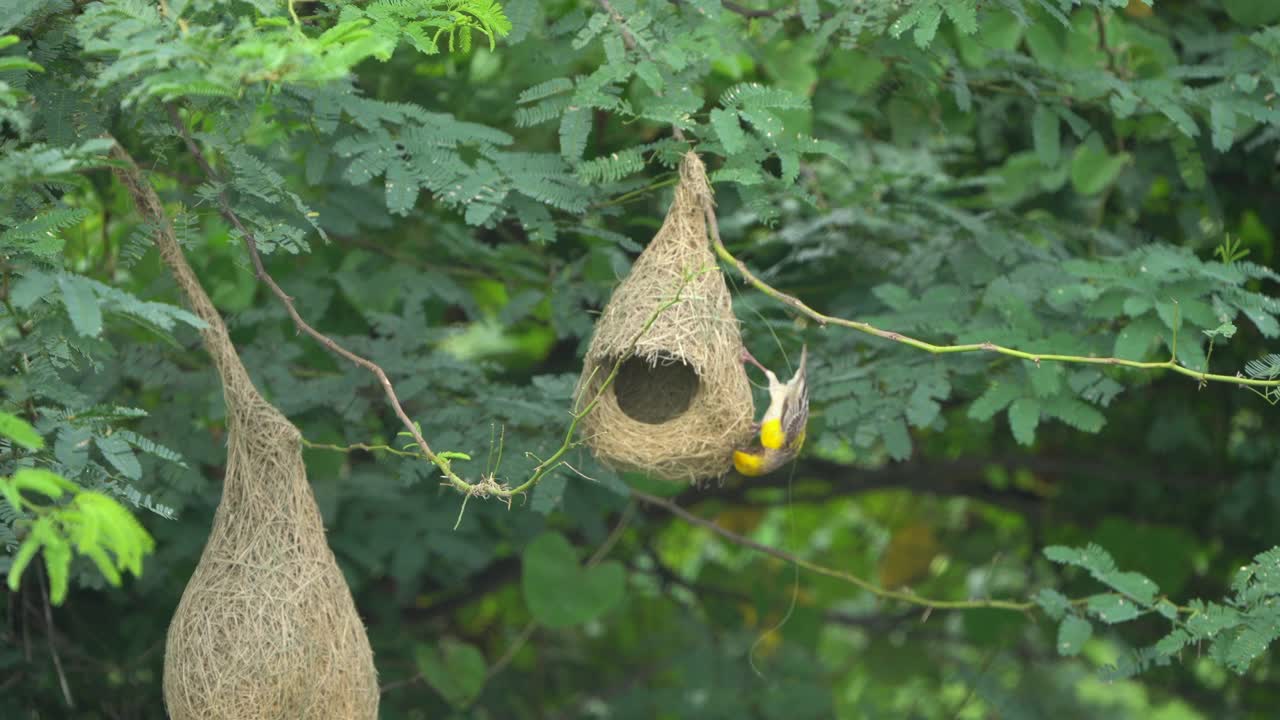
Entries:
{"x":681,"y":402}
{"x":266,"y":628}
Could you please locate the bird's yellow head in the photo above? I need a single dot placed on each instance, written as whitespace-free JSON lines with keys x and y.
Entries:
{"x":771,"y":434}
{"x":749,"y":464}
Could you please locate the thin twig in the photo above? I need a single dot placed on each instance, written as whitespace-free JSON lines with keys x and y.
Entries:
{"x":360,"y":446}
{"x":629,"y":40}
{"x":747,"y":12}
{"x":251,"y":244}
{"x":48,"y":627}
{"x":527,"y":631}
{"x":599,"y":555}
{"x":485,"y":487}
{"x":867,"y":585}
{"x":1101,"y":22}
{"x":755,"y":14}
{"x":823,"y":319}
{"x":783,"y":555}
{"x":550,"y":463}
{"x":507,"y":656}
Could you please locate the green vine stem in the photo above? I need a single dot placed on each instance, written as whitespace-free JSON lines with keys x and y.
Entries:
{"x":488,"y":485}
{"x":823,"y":319}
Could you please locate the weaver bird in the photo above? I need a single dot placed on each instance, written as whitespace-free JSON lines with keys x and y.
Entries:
{"x":782,"y":428}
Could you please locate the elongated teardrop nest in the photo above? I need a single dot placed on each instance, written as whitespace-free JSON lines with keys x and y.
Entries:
{"x":681,"y":401}
{"x":266,"y":628}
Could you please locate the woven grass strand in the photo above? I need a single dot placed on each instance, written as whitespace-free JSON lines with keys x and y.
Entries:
{"x":682,"y":401}
{"x":266,"y":628}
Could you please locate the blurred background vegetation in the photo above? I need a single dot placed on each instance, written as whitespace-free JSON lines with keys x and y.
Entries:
{"x":453,"y":188}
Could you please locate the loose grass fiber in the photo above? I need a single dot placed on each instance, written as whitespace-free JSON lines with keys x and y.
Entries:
{"x":681,"y":402}
{"x":266,"y":628}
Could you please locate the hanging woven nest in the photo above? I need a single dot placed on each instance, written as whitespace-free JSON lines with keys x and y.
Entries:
{"x":681,"y":402}
{"x":266,"y":628}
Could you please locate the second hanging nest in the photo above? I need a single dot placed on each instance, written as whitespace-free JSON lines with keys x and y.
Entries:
{"x":681,"y":402}
{"x":266,"y":628}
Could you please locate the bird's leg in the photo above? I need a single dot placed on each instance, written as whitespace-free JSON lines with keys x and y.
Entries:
{"x":747,"y":357}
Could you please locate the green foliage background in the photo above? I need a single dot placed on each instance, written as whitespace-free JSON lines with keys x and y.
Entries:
{"x":451,"y":188}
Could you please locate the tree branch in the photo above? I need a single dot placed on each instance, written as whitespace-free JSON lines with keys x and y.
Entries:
{"x":823,"y":319}
{"x":956,"y":478}
{"x":251,"y":245}
{"x":486,"y":486}
{"x":755,"y":14}
{"x":629,"y":40}
{"x":867,"y":585}
{"x":747,"y":12}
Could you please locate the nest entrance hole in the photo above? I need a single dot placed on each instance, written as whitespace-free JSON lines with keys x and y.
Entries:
{"x":655,"y":394}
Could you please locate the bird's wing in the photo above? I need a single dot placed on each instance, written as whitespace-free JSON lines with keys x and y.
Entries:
{"x":795,"y":415}
{"x":795,"y":410}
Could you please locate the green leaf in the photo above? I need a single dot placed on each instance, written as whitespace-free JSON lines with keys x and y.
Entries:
{"x":118,"y":452}
{"x":1024,"y":416}
{"x":1173,"y":642}
{"x":1249,"y":643}
{"x":546,"y":89}
{"x":1222,"y":125}
{"x":963,"y":14}
{"x":81,"y":304}
{"x":548,"y":493}
{"x":1190,"y":163}
{"x":922,"y":407}
{"x":455,"y":669}
{"x":927,"y":19}
{"x":1137,"y":305}
{"x":766,"y":124}
{"x":30,"y":288}
{"x":104,"y":564}
{"x":22,"y":558}
{"x":43,"y":481}
{"x":401,"y":188}
{"x":11,"y":64}
{"x":1136,"y":339}
{"x":999,"y":30}
{"x":897,"y":440}
{"x":1135,"y":585}
{"x":1167,"y":609}
{"x":728,"y":130}
{"x":1046,"y":378}
{"x":996,"y":398}
{"x":1111,"y":608}
{"x":71,"y":448}
{"x":17,"y":430}
{"x":1226,"y":330}
{"x":1063,"y":555}
{"x":57,"y":564}
{"x":1073,"y":633}
{"x":120,"y":530}
{"x":1076,"y":413}
{"x":10,"y":494}
{"x":575,"y":125}
{"x":558,"y":591}
{"x":1047,"y":136}
{"x":1252,"y":13}
{"x":649,"y":73}
{"x":1093,"y":169}
{"x":1054,"y":603}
